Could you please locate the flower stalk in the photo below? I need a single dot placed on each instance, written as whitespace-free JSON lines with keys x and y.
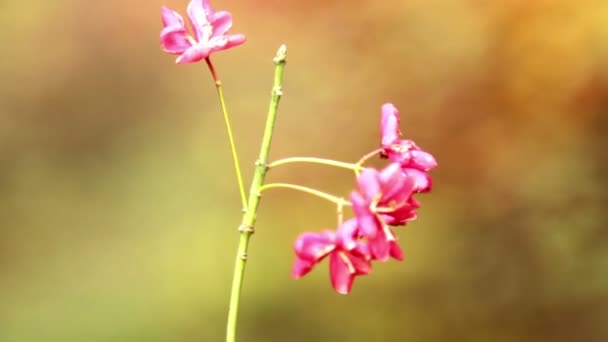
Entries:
{"x":314,"y":160}
{"x":249,"y":216}
{"x":331,"y":198}
{"x":235,"y":158}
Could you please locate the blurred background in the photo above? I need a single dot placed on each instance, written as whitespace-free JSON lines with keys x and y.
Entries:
{"x":118,"y":206}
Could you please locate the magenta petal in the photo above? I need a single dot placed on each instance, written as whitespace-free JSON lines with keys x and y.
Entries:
{"x":314,"y":246}
{"x":194,"y":54}
{"x":221,"y":22}
{"x":301,"y":267}
{"x":361,"y":264}
{"x":384,"y":245}
{"x":174,"y":40}
{"x":422,"y":160}
{"x":368,"y":183}
{"x":389,"y":125}
{"x":362,"y":251}
{"x":395,"y":251}
{"x":421,"y":179}
{"x":390,"y":174}
{"x":415,"y":204}
{"x":366,"y":220}
{"x":395,"y":186}
{"x":347,"y":234}
{"x":379,"y":247}
{"x":341,"y":272}
{"x":171,"y":18}
{"x":400,"y":217}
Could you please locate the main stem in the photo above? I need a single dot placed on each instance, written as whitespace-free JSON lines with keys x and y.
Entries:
{"x":235,"y":158}
{"x":247,"y":225}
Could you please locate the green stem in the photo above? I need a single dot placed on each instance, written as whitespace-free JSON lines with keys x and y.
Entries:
{"x":338,"y":200}
{"x":367,"y":157}
{"x":235,"y":158}
{"x":246,"y":229}
{"x":330,"y":162}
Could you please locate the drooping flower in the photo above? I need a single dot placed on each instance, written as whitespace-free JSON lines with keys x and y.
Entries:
{"x":209,"y":28}
{"x":386,"y":195}
{"x":348,"y":256}
{"x":384,"y":198}
{"x":413,"y":160}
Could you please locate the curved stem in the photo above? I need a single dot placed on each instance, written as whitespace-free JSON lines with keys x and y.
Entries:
{"x":313,"y":160}
{"x":246,"y":229}
{"x":314,"y":192}
{"x":235,"y":158}
{"x":365,"y":158}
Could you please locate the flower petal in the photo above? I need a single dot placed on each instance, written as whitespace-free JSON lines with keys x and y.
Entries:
{"x":346,"y":235}
{"x":221,"y":22}
{"x":170,"y":18}
{"x":389,"y":125}
{"x":219,"y":43}
{"x":314,"y":246}
{"x":174,"y":40}
{"x":341,"y":272}
{"x":368,"y":183}
{"x":385,"y":246}
{"x":194,"y":54}
{"x":361,"y":264}
{"x":379,"y":247}
{"x":395,"y":251}
{"x":367,"y":222}
{"x":301,"y":267}
{"x":395,"y":186}
{"x":200,"y":13}
{"x":422,"y":180}
{"x":422,"y":160}
{"x":401,"y":216}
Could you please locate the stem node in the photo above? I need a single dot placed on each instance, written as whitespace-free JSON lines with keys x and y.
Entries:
{"x":244,"y":228}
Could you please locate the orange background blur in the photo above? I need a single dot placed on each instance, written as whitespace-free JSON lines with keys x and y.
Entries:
{"x":118,"y":206}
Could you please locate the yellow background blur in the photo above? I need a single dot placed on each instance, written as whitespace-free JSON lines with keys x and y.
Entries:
{"x":118,"y":206}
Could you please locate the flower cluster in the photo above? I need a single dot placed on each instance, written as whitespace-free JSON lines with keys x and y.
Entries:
{"x":383,"y":198}
{"x":210,"y":28}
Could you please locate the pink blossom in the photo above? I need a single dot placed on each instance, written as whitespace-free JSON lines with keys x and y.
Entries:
{"x":413,"y":160}
{"x":384,"y":198}
{"x":209,"y":28}
{"x":348,"y":256}
{"x":384,"y":195}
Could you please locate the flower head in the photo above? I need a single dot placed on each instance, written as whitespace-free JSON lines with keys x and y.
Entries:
{"x":384,"y":198}
{"x":209,"y":28}
{"x":348,"y":257}
{"x":384,"y":195}
{"x":413,"y":160}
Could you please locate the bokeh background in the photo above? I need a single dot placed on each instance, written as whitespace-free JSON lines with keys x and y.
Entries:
{"x":118,"y":206}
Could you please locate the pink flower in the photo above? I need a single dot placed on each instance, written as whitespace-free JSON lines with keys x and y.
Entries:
{"x":413,"y":160}
{"x":209,"y":27}
{"x":384,"y":198}
{"x":348,"y":257}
